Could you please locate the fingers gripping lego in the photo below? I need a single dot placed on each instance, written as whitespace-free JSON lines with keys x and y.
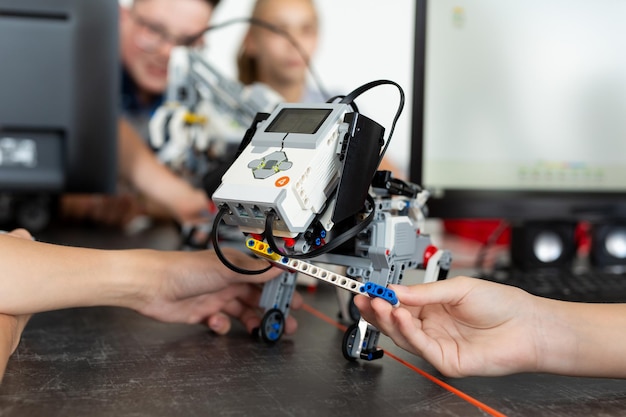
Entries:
{"x":305,"y":186}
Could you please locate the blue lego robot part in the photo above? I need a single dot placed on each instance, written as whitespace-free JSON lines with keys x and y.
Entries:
{"x":378,"y":291}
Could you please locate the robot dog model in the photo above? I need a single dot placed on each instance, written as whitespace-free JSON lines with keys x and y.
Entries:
{"x":305,"y":186}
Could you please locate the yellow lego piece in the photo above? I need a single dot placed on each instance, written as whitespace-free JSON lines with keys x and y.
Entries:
{"x":262,"y":249}
{"x":193,"y":118}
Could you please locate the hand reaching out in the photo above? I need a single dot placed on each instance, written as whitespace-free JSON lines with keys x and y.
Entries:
{"x":462,"y":326}
{"x":171,"y":286}
{"x":214,"y":295}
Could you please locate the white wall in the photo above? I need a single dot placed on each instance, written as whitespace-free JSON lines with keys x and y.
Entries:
{"x":361,"y":41}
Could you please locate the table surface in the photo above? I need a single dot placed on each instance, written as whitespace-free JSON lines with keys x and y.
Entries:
{"x":109,"y":361}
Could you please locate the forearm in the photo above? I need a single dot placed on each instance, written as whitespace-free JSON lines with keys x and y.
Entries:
{"x":41,"y":277}
{"x":582,"y":339}
{"x":140,"y":167}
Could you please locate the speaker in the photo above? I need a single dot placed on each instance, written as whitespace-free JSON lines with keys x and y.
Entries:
{"x":545,"y":244}
{"x":608,"y":244}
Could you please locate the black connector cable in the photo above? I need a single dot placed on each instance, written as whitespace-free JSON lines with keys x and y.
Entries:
{"x":349,"y":99}
{"x":269,"y":220}
{"x":270,"y":217}
{"x":220,"y":255}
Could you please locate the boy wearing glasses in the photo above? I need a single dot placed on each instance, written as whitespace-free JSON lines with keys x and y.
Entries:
{"x":149,"y":29}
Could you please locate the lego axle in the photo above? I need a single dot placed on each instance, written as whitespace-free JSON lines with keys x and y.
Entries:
{"x":371,"y":289}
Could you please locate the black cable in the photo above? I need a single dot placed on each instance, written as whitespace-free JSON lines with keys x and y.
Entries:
{"x":349,"y":98}
{"x":272,"y":28}
{"x":220,"y":254}
{"x":333,"y":244}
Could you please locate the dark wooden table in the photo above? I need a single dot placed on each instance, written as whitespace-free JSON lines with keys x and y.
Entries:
{"x":114,"y":362}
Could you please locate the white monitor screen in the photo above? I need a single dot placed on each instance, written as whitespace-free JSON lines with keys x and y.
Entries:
{"x":525,"y":95}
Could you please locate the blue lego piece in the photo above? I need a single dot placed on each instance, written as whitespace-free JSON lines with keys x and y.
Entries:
{"x":375,"y":290}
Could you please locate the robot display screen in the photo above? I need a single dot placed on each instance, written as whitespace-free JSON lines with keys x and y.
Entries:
{"x":298,"y":121}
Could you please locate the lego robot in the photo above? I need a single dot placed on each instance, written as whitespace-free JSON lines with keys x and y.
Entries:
{"x":305,"y":186}
{"x":204,"y":116}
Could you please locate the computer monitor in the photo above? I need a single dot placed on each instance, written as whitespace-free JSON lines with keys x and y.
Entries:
{"x":59,"y":66}
{"x":519,"y":109}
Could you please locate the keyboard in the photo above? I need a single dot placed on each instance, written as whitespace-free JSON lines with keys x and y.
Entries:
{"x":568,"y":285}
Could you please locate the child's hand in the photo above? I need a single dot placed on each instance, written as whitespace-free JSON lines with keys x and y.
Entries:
{"x":462,"y":326}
